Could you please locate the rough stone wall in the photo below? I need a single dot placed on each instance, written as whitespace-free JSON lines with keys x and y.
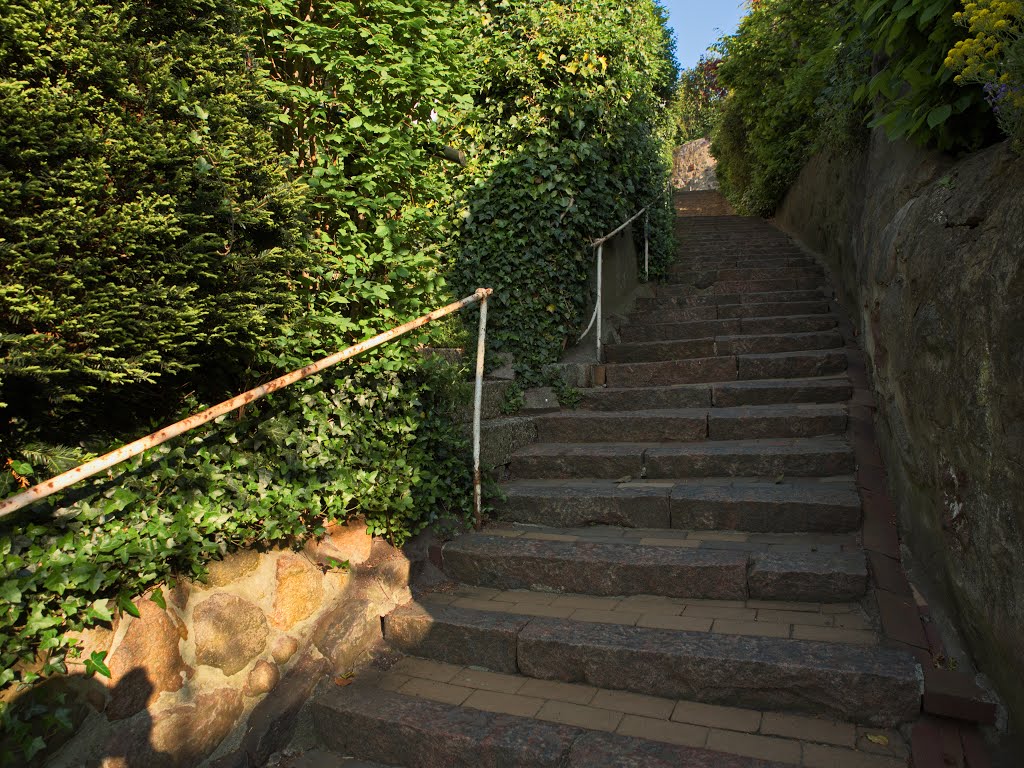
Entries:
{"x":694,"y":167}
{"x":929,"y":254}
{"x":218,"y":675}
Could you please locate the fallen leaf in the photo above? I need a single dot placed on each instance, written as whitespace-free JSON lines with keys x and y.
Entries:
{"x":780,"y":479}
{"x":343,"y":681}
{"x":625,"y":479}
{"x":879,"y":739}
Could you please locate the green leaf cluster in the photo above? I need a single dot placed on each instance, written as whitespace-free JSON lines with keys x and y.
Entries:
{"x":804,"y":75}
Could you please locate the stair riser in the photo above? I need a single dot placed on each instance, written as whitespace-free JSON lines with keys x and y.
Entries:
{"x":649,"y":429}
{"x":676,"y":372}
{"x":581,"y":511}
{"x":723,"y":578}
{"x":728,"y":262}
{"x":704,"y":277}
{"x":710,"y":514}
{"x":662,"y":464}
{"x":639,"y":333}
{"x":780,"y":392}
{"x":747,"y":286}
{"x":774,"y":674}
{"x":591,"y":568}
{"x":726,"y":369}
{"x":675,"y":429}
{"x":604,"y":399}
{"x":646,"y":305}
{"x":680,"y":331}
{"x":783,"y":309}
{"x":664,"y":351}
{"x":791,"y":366}
{"x":608,"y":467}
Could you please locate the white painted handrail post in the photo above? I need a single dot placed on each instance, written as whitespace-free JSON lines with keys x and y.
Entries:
{"x":600,"y":281}
{"x":478,"y":397}
{"x":647,"y":246}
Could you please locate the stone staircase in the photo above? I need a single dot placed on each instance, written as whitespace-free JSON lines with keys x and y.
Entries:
{"x":676,"y":576}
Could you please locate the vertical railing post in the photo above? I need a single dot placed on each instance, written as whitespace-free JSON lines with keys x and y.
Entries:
{"x":478,"y":397}
{"x":600,"y":279}
{"x":647,"y":246}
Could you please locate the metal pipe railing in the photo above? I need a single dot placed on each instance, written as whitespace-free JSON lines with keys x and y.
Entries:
{"x":108,"y":460}
{"x":599,"y":245}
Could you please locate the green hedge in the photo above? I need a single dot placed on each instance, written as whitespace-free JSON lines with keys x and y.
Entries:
{"x":805,"y":75}
{"x":568,"y":137}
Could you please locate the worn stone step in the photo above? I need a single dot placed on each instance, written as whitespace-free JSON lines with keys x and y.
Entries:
{"x":783,"y":365}
{"x":768,"y":309}
{"x":778,"y":391}
{"x":768,"y":261}
{"x":389,"y":727}
{"x":578,"y":460}
{"x":758,"y":506}
{"x":863,"y":684}
{"x":696,"y":329}
{"x":589,"y":568}
{"x":688,"y":424}
{"x":621,"y":568}
{"x":784,"y":457}
{"x":723,"y":394}
{"x":703,"y":278}
{"x":761,"y":285}
{"x":779,"y":365}
{"x":645,"y":398}
{"x":693,"y":371}
{"x":707,"y":504}
{"x":875,"y":686}
{"x":646,"y":305}
{"x":682,"y":349}
{"x":817,"y":305}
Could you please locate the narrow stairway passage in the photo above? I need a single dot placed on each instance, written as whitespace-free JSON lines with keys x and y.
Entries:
{"x":676,"y":575}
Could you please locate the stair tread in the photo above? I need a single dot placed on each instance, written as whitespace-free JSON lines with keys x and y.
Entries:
{"x":418,"y":732}
{"x":842,"y":680}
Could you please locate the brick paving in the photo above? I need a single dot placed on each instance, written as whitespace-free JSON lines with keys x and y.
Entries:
{"x":786,"y":738}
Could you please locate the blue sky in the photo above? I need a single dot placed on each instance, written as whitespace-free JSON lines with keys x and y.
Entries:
{"x":699,"y":23}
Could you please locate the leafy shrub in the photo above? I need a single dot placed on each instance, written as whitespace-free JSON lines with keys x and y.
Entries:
{"x":912,"y":93}
{"x":805,"y":75}
{"x":147,"y":228}
{"x":567,"y":138}
{"x":697,"y":101}
{"x":993,"y":55}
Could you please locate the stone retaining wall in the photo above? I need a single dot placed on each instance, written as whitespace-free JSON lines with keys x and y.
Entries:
{"x":218,"y":676}
{"x":694,"y":167}
{"x":929,"y":256}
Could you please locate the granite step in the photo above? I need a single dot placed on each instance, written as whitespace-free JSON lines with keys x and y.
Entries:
{"x":816,"y":305}
{"x":862,"y":684}
{"x":688,"y":424}
{"x":724,"y":394}
{"x":597,"y":567}
{"x":716,"y":346}
{"x":646,"y":305}
{"x":775,"y":365}
{"x":698,"y":263}
{"x":769,"y":458}
{"x":736,"y":326}
{"x":706,"y":504}
{"x":389,"y":727}
{"x":760,"y":285}
{"x":704,"y":277}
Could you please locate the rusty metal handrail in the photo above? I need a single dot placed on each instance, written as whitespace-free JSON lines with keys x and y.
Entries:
{"x":599,"y":245}
{"x":108,"y":460}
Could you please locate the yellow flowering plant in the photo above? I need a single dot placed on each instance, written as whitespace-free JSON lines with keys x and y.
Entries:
{"x":993,"y":55}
